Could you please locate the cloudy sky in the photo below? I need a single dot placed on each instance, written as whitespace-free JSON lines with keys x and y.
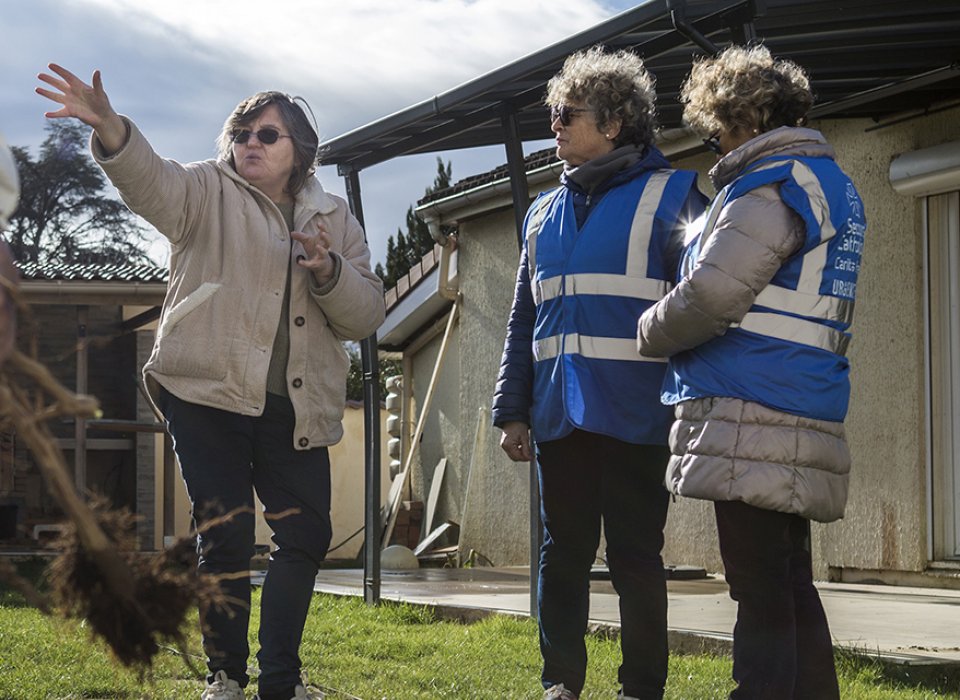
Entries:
{"x":178,"y":67}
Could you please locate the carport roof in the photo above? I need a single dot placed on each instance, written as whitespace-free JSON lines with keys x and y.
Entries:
{"x":866,"y":58}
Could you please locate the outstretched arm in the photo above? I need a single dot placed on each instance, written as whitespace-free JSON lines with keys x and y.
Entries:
{"x":88,"y":103}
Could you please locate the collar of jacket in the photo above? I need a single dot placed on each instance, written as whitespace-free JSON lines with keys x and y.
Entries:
{"x":783,"y":141}
{"x":312,"y":196}
{"x":620,"y":165}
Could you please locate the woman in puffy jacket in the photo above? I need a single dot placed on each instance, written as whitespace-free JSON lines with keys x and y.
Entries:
{"x":757,"y":333}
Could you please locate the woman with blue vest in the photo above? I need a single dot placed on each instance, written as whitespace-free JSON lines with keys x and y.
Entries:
{"x":598,"y":251}
{"x":757,"y":332}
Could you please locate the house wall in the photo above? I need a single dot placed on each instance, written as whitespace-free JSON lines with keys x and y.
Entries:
{"x":497,"y":521}
{"x":885,"y":527}
{"x":441,"y":433}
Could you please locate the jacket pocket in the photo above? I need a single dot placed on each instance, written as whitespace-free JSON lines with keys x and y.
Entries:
{"x":195,"y":336}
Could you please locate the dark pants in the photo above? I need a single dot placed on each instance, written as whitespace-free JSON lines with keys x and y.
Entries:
{"x":781,"y":642}
{"x":585,"y":477}
{"x":223,"y":457}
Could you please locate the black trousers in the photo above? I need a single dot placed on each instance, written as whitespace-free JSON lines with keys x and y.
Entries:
{"x":781,"y":643}
{"x":586,"y":478}
{"x":223,"y":457}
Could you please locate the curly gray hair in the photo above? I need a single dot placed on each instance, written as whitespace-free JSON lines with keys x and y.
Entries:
{"x":305,"y":139}
{"x":615,"y":85}
{"x":745,"y":87}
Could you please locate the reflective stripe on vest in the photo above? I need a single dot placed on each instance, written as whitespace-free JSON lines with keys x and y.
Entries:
{"x":633,"y":283}
{"x":592,"y":347}
{"x":806,"y":299}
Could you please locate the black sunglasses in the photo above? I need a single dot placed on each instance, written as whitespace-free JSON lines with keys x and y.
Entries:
{"x":713,"y":144}
{"x":565,"y":114}
{"x":265,"y":136}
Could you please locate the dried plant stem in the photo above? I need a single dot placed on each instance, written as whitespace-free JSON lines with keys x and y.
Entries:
{"x":41,"y":444}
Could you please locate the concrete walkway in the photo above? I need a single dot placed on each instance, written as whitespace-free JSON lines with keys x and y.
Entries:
{"x":914,"y":627}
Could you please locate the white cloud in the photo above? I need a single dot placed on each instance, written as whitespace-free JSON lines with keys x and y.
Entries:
{"x":178,"y":67}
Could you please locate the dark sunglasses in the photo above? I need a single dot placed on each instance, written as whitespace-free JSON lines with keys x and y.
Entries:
{"x":713,"y":144}
{"x":565,"y":114}
{"x":265,"y":136}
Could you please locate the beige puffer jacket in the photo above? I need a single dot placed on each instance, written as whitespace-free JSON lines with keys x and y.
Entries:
{"x":231,"y":253}
{"x":726,"y":448}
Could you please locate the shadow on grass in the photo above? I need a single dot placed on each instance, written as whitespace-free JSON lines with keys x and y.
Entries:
{"x":937,"y":676}
{"x":31,"y":568}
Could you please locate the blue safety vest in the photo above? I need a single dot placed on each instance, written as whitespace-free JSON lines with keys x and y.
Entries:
{"x":789,"y":351}
{"x":589,"y":287}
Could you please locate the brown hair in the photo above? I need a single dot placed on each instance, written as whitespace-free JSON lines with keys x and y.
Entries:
{"x":745,"y":87}
{"x":615,"y":86}
{"x":305,"y":139}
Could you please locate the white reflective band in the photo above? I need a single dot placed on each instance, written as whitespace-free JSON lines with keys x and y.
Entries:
{"x":641,"y":229}
{"x":593,"y":347}
{"x":796,"y":330}
{"x":534,"y":224}
{"x":610,"y":285}
{"x":815,"y":305}
{"x":814,"y":261}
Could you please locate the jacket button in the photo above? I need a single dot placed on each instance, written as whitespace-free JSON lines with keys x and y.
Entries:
{"x":297,"y":383}
{"x":303,"y":442}
{"x":299,"y":320}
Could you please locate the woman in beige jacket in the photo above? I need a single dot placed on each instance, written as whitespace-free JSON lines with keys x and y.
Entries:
{"x":268,"y":274}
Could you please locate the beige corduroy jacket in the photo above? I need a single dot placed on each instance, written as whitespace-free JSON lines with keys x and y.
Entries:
{"x":230,"y":255}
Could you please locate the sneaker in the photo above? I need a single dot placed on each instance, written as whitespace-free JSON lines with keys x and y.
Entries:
{"x":307,"y":692}
{"x":558,"y":692}
{"x":222,"y":688}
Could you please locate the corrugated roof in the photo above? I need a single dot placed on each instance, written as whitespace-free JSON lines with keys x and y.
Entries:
{"x":62,"y":272}
{"x":866,"y":58}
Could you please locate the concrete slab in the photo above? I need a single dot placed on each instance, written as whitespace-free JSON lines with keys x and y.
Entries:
{"x":915,"y":626}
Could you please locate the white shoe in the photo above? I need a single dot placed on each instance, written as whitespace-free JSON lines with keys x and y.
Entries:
{"x":222,"y":688}
{"x":558,"y":692}
{"x":307,"y":692}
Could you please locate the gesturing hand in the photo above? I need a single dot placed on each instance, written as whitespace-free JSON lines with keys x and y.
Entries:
{"x":317,"y":248}
{"x":88,"y":103}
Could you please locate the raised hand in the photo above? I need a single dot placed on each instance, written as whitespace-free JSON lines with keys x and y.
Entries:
{"x":318,"y":257}
{"x":88,"y":103}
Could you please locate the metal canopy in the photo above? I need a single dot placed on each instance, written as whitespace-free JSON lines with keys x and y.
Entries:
{"x":864,"y":57}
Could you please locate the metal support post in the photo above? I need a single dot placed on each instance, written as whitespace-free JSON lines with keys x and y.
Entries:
{"x":521,"y":200}
{"x":371,"y":430}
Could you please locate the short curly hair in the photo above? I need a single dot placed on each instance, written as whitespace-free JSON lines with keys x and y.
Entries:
{"x":615,"y":85}
{"x":305,"y":139}
{"x":745,"y":87}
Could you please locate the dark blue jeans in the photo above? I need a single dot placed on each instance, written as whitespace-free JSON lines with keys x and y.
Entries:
{"x":585,"y":477}
{"x":223,"y":457}
{"x":781,"y":643}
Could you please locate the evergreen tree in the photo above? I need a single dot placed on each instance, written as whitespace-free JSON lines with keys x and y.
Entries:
{"x":406,"y":250}
{"x":64,"y":214}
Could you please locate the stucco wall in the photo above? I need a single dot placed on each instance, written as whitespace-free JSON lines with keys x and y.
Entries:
{"x":497,"y":522}
{"x":886,"y":522}
{"x":442,"y":433}
{"x":886,"y":519}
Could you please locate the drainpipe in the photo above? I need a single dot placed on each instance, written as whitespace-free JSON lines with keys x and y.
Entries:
{"x":448,"y":261}
{"x":678,"y":15}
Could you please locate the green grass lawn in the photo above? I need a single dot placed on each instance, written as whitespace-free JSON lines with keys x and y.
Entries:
{"x":393,"y":651}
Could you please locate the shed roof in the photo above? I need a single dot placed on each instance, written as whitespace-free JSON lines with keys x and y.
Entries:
{"x":866,"y":58}
{"x":66,"y":272}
